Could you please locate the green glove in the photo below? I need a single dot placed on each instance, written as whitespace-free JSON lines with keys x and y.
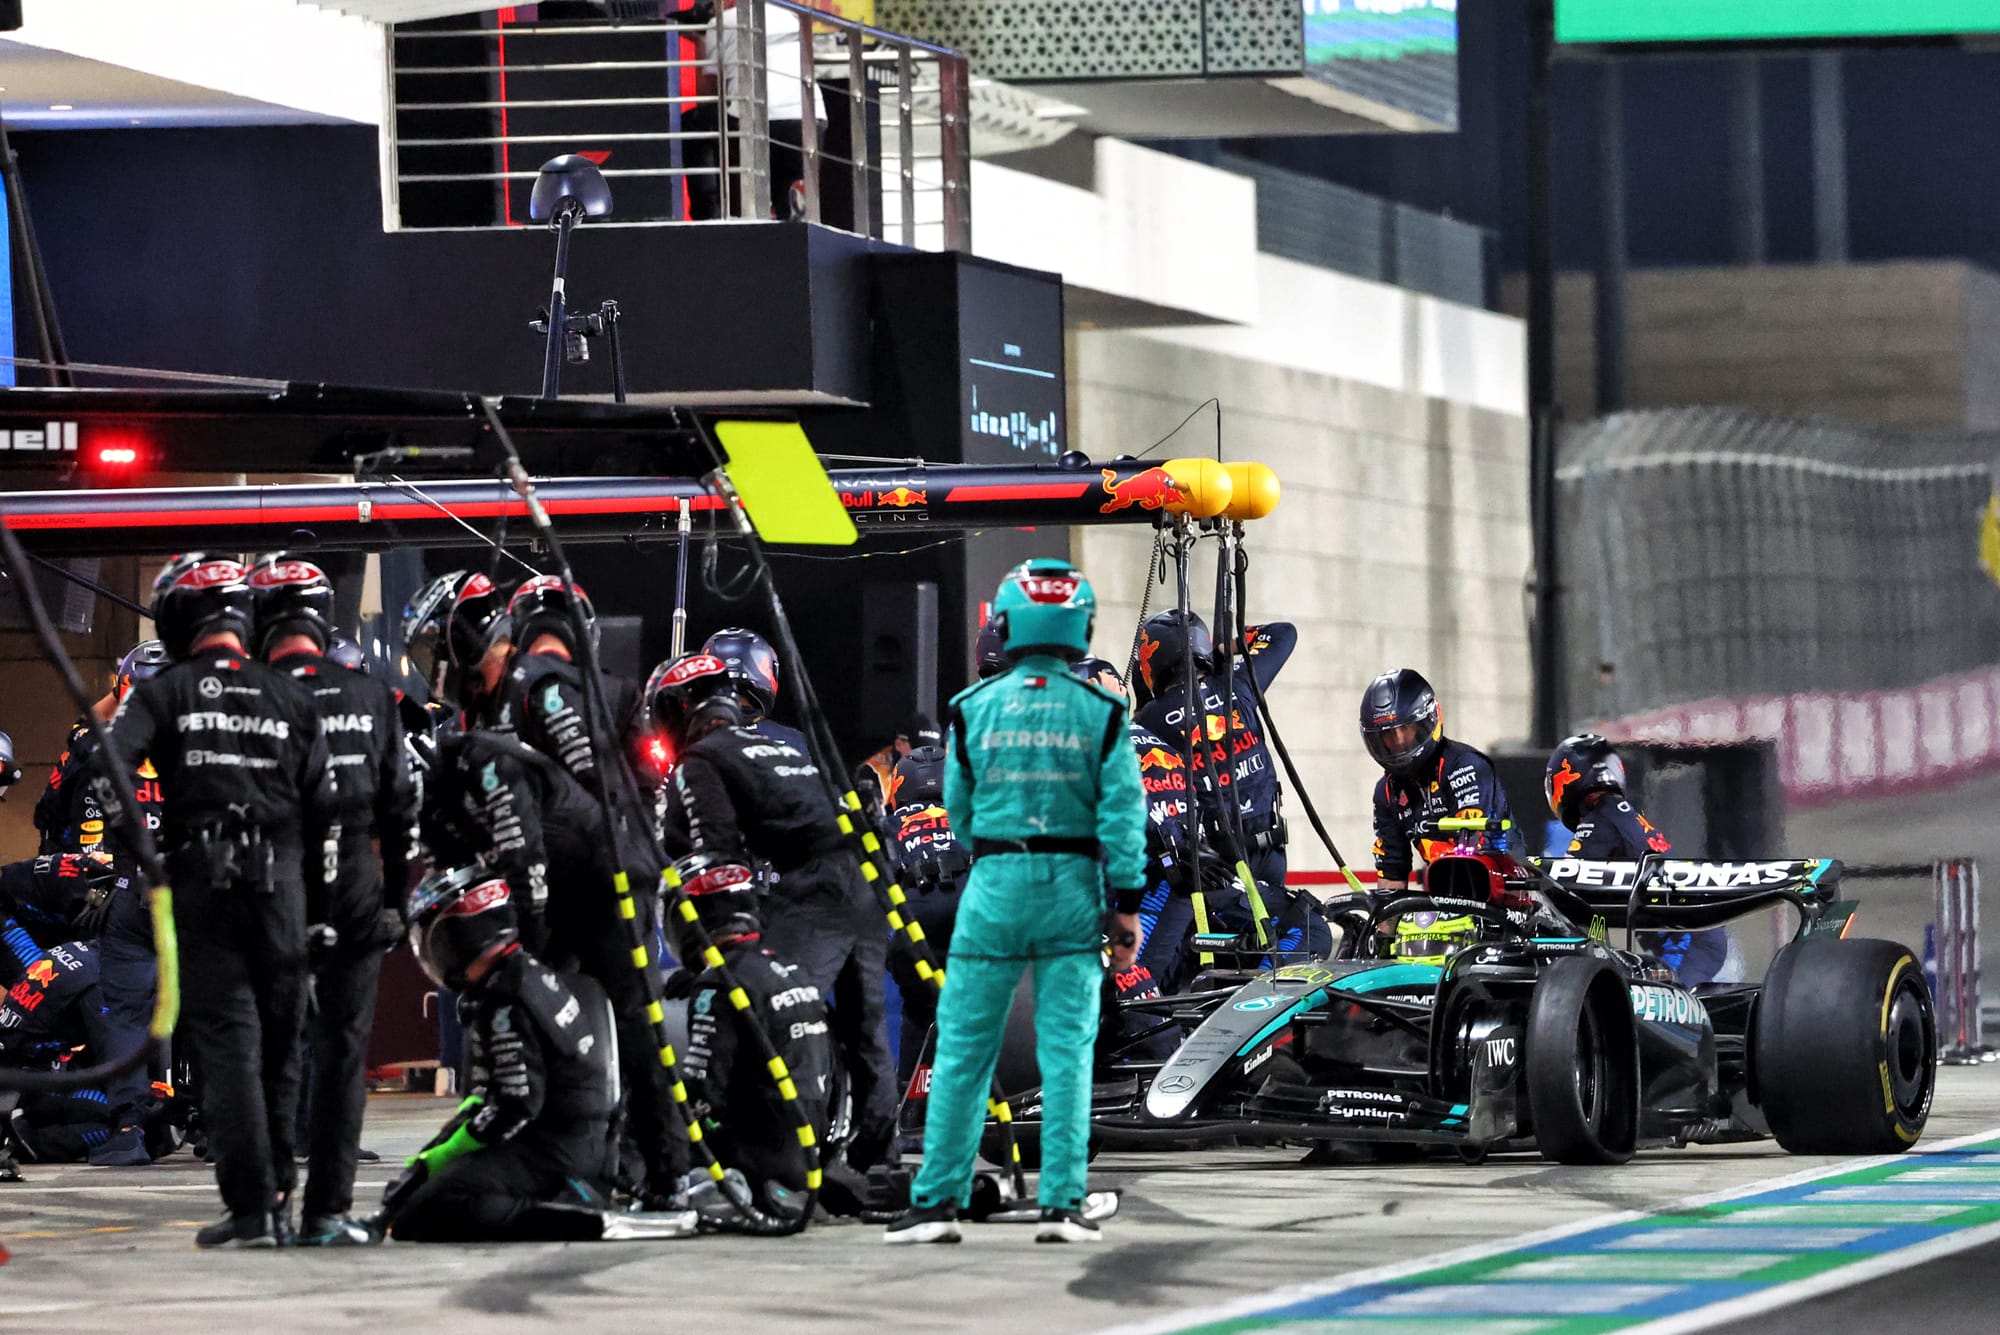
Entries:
{"x":453,"y":1141}
{"x":460,"y":1144}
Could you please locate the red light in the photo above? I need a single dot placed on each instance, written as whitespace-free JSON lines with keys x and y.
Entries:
{"x":118,"y":455}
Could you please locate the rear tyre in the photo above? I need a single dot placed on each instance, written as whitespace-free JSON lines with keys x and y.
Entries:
{"x":1846,"y":1048}
{"x":1581,"y":1068}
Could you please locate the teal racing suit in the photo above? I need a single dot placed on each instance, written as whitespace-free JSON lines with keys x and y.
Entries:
{"x":1040,"y":776}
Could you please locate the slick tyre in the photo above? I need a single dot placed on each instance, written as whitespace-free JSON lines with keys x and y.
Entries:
{"x":1845,"y":1047}
{"x":1581,"y":1067}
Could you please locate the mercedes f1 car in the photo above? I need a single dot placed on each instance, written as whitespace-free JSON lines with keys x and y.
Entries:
{"x":1533,"y":1031}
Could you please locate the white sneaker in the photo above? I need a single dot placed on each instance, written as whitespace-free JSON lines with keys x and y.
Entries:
{"x":935,"y":1223}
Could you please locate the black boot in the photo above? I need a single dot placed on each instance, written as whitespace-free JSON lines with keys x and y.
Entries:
{"x":240,"y":1230}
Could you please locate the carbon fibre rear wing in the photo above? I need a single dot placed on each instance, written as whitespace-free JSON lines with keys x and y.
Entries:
{"x":1670,"y":893}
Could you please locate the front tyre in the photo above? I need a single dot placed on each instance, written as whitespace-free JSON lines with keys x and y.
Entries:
{"x":1581,"y":1068}
{"x":1846,"y":1048}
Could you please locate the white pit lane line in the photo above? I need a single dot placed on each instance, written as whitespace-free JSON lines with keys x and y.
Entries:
{"x":1781,"y":1295}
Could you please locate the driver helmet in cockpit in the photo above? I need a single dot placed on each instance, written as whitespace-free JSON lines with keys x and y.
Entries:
{"x":1432,"y":938}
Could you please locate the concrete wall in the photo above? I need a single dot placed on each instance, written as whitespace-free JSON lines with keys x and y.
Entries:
{"x":1906,"y":344}
{"x":1402,"y":538}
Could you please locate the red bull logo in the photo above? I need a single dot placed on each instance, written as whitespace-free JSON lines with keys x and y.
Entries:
{"x":1559,"y":781}
{"x":1158,"y":757}
{"x":903,"y":497}
{"x":42,"y":971}
{"x":1152,"y":489}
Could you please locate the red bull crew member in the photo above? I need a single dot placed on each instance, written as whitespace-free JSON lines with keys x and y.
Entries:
{"x":1426,"y":775}
{"x":1166,"y":914}
{"x":1235,"y":781}
{"x":1585,"y":785}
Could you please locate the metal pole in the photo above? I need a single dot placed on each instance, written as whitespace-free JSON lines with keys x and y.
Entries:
{"x":857,"y":140}
{"x":1613,"y":363}
{"x":28,"y":250}
{"x":1746,"y":159}
{"x":808,"y":120}
{"x":906,"y":142}
{"x":1976,"y":1023}
{"x":756,"y":106}
{"x":955,"y":151}
{"x":610,"y":313}
{"x":552,"y":355}
{"x":685,"y":531}
{"x":1829,"y":153}
{"x":1546,"y":728}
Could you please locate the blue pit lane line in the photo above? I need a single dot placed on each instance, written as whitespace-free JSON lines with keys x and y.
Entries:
{"x":1685,"y":1266}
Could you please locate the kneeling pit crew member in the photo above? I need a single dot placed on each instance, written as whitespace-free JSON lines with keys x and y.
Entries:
{"x":491,"y":797}
{"x":532,"y":1152}
{"x":752,"y":1128}
{"x":744,"y":796}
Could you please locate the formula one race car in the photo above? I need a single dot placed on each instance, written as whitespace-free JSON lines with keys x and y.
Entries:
{"x":1492,"y":1013}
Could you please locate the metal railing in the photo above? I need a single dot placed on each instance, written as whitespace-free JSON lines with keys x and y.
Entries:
{"x":748,"y":110}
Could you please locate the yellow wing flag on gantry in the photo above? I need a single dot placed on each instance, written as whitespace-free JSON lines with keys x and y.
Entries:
{"x":784,"y":486}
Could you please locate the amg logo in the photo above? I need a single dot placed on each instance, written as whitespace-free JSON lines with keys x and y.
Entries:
{"x":54,"y":438}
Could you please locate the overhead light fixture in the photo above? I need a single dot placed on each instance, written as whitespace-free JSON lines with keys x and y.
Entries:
{"x":61,"y":106}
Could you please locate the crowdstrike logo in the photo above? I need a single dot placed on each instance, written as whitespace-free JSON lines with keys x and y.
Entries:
{"x":53,"y":438}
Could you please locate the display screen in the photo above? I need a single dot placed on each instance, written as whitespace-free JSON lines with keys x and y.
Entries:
{"x":1609,"y":22}
{"x":1400,"y":53}
{"x":1379,"y":29}
{"x":1012,"y":387}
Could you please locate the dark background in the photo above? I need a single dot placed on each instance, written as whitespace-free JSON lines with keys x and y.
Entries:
{"x":1923,"y":135}
{"x":260,"y":252}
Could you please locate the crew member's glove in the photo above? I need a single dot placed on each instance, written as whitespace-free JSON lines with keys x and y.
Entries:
{"x":1219,"y":877}
{"x":390,"y":927}
{"x":105,"y":884}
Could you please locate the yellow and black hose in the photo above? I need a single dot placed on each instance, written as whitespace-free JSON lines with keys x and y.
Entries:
{"x":863,"y":841}
{"x":611,"y":769}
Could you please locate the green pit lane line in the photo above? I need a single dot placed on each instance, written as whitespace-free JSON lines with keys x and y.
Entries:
{"x":1686,"y":1266}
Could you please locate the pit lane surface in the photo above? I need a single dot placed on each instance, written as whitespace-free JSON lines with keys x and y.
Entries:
{"x":111,"y":1249}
